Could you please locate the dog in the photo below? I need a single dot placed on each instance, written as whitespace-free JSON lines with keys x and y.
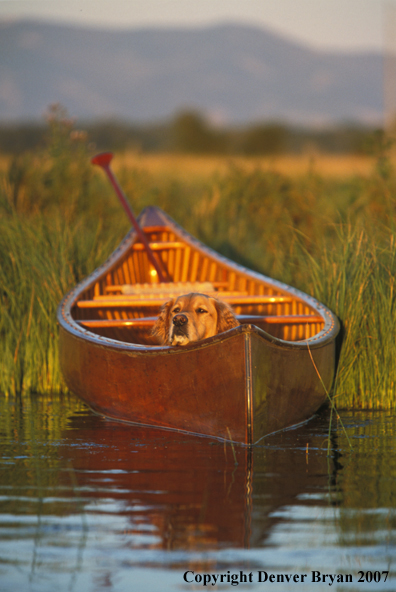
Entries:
{"x":192,"y":317}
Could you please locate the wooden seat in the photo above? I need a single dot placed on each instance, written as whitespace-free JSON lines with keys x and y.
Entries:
{"x":124,"y":288}
{"x":144,"y":300}
{"x":166,"y":288}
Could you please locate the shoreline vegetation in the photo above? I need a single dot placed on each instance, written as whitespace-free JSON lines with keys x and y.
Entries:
{"x":324,"y":224}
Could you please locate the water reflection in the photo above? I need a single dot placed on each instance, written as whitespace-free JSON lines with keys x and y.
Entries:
{"x":176,"y":492}
{"x":95,"y":501}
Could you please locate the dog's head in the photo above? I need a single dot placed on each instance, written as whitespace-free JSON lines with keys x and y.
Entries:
{"x":192,"y":317}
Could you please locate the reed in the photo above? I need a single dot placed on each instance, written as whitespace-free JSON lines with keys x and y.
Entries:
{"x":41,"y":258}
{"x":359,"y":286}
{"x":331,"y":236}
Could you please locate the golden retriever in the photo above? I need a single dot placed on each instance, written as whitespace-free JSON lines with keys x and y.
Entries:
{"x":192,"y":317}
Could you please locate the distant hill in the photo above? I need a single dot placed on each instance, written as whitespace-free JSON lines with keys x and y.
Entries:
{"x":232,"y":73}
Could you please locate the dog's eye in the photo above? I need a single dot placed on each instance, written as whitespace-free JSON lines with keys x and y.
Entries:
{"x":177,"y":309}
{"x":201,"y":310}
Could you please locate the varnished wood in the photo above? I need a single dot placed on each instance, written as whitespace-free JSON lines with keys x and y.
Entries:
{"x":120,"y":323}
{"x":160,"y":246}
{"x":248,"y":319}
{"x":118,"y":288}
{"x":269,"y":373}
{"x":126,"y":301}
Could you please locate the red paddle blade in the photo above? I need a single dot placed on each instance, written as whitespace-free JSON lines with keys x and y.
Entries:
{"x":102,"y":159}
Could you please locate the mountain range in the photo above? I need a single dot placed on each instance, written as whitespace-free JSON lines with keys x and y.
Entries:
{"x":231,"y":73}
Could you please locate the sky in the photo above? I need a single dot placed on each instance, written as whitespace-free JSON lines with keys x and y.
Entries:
{"x":337,"y":25}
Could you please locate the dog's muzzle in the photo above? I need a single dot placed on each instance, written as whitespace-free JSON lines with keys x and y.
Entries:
{"x":180,"y":320}
{"x":179,"y":333}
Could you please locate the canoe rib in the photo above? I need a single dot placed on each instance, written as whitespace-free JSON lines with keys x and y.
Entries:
{"x":240,"y":385}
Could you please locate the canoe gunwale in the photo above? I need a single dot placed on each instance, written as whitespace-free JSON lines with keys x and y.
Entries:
{"x":65,"y":319}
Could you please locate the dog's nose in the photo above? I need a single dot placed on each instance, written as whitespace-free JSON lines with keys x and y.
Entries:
{"x":179,"y":320}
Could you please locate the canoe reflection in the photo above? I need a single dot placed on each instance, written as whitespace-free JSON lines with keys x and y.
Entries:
{"x":189,"y":492}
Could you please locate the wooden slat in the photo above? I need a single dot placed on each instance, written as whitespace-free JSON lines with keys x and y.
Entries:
{"x":155,"y":229}
{"x":280,"y":319}
{"x":243,"y":319}
{"x":125,"y":301}
{"x":237,"y":300}
{"x":194,"y":267}
{"x":160,"y":246}
{"x":119,"y":287}
{"x":186,"y":264}
{"x":160,"y":295}
{"x":124,"y":323}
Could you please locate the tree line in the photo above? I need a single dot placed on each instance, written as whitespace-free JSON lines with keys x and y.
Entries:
{"x":190,"y":132}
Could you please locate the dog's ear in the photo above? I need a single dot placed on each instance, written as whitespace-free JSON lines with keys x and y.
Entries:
{"x":161,"y":327}
{"x":225,"y":316}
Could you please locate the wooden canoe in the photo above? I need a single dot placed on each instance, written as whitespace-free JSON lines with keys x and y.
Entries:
{"x":270,"y":373}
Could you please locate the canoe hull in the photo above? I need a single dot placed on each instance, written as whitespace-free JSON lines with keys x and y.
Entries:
{"x":250,"y":386}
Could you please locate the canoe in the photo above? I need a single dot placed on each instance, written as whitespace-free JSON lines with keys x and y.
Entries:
{"x":271,"y":372}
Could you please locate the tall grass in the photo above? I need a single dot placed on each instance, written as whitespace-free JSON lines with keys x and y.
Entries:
{"x":41,"y":258}
{"x":357,"y":281}
{"x":331,"y":237}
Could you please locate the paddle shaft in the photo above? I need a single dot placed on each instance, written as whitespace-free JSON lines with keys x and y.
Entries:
{"x":104,"y":162}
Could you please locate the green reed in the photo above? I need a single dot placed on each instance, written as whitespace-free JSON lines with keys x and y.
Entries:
{"x":41,"y":258}
{"x":332,"y":238}
{"x":357,"y":281}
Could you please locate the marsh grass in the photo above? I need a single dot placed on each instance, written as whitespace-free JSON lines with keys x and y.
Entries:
{"x":359,"y":286}
{"x":332,"y":237}
{"x":41,"y":258}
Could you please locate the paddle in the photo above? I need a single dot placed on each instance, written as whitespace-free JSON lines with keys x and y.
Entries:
{"x":103,"y":160}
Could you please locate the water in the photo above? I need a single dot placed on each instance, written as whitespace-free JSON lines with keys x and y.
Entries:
{"x":90,"y":505}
